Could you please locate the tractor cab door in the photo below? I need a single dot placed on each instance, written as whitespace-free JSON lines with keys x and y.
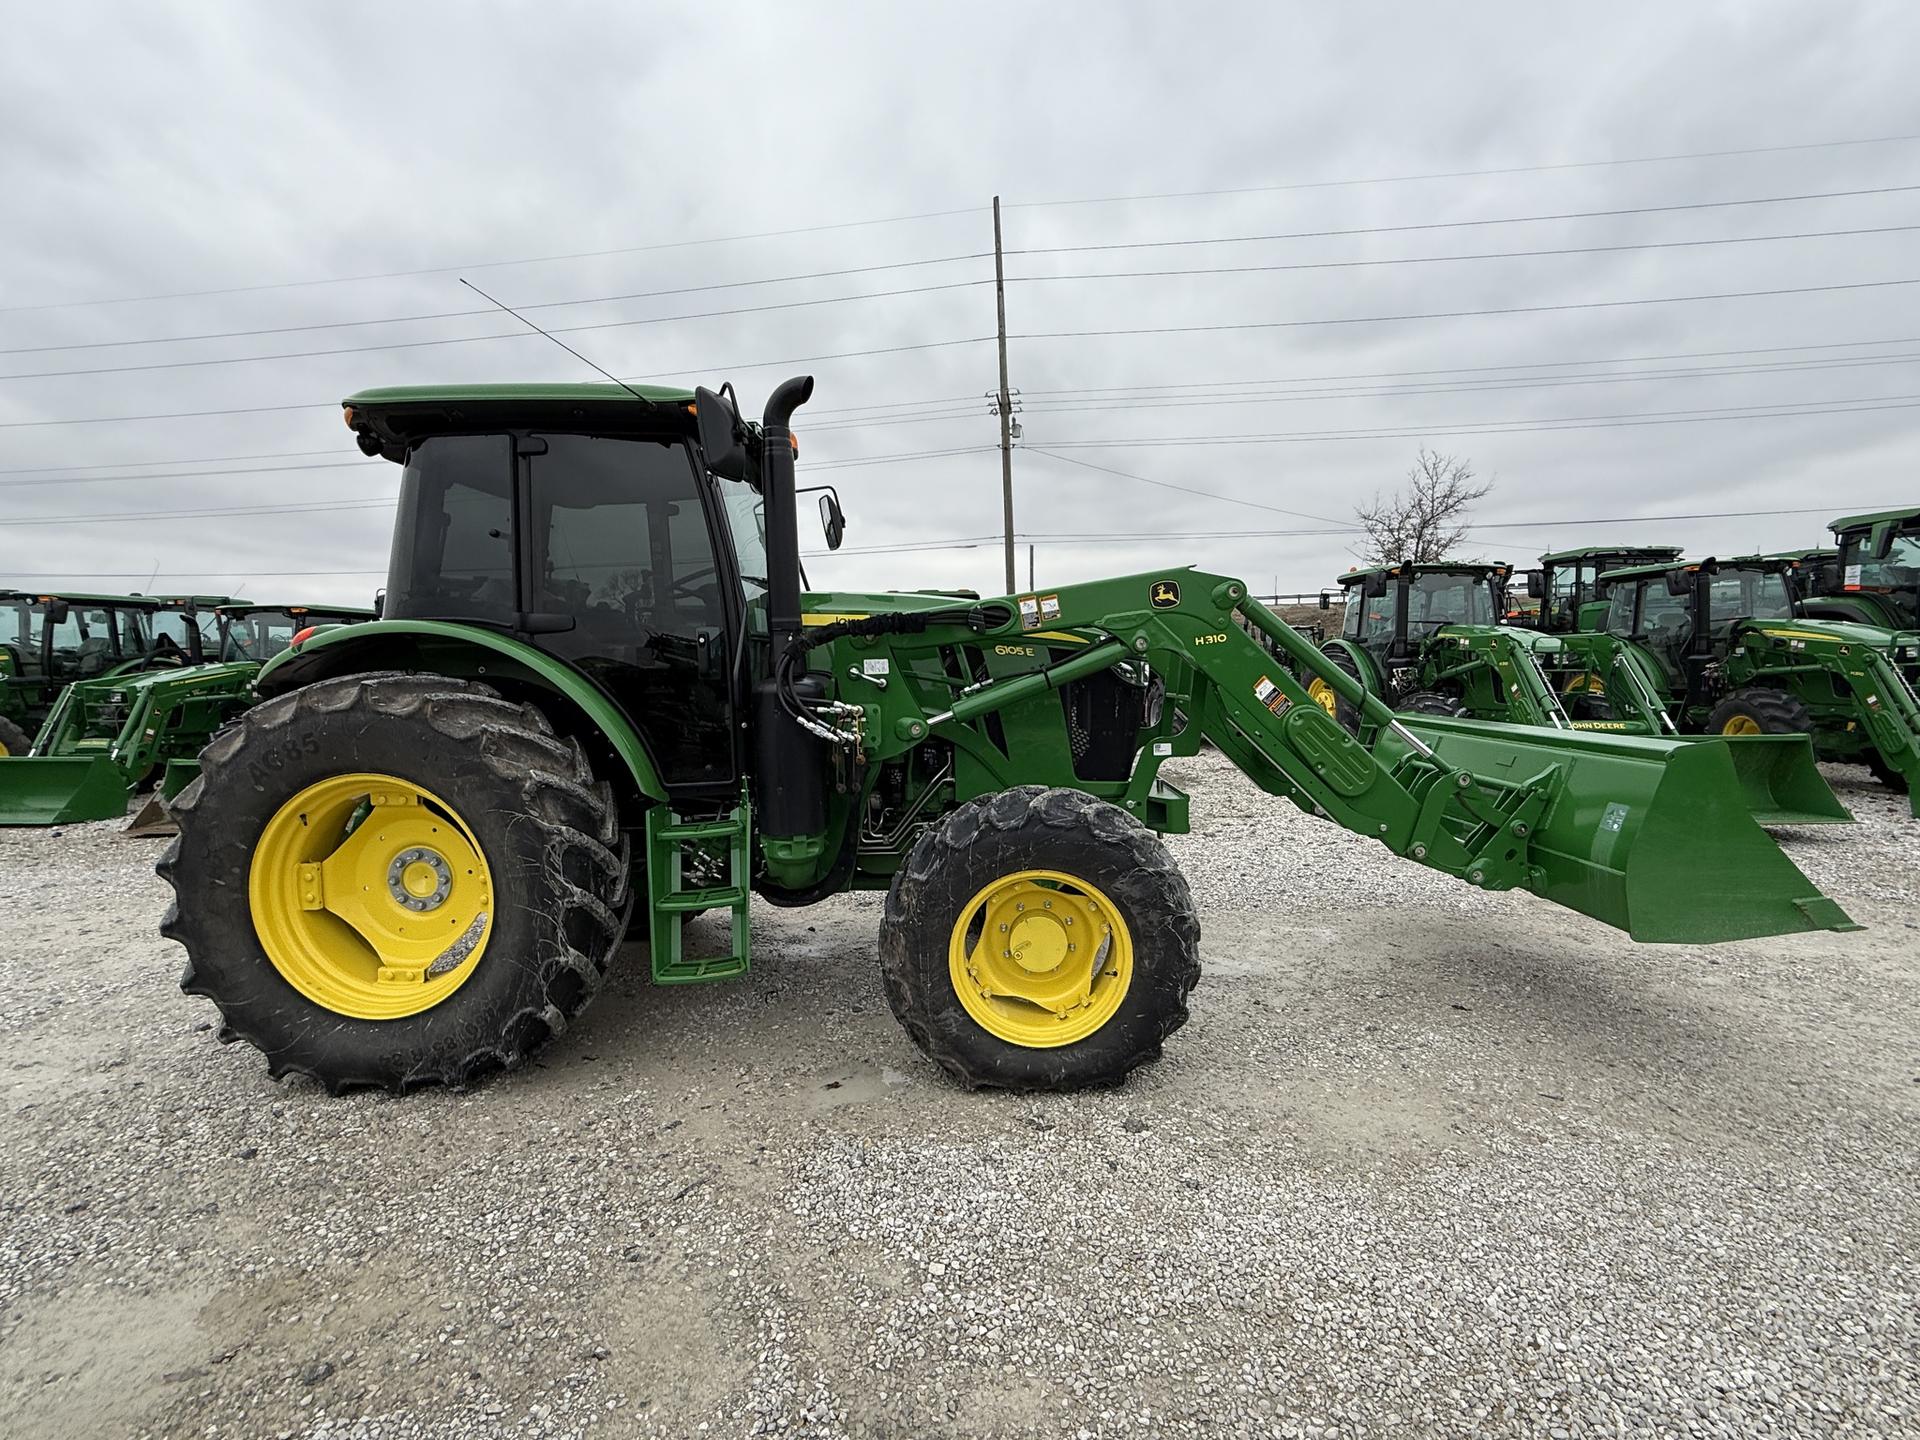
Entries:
{"x":1663,"y":622}
{"x":626,"y":540}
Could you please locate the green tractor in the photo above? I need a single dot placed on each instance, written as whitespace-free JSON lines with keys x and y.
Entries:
{"x":599,"y":699}
{"x":1423,"y":637}
{"x":1568,"y":582}
{"x":49,"y":641}
{"x":1874,"y":578}
{"x":1731,"y":653}
{"x":106,"y":738}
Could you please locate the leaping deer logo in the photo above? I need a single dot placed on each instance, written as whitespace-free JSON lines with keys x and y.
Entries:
{"x":1165,"y":594}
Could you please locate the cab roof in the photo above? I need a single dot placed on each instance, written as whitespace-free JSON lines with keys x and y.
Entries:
{"x":1852,"y":522}
{"x":249,"y":607}
{"x":84,"y":597}
{"x":1648,"y":553}
{"x":399,"y":415}
{"x":1711,"y":564}
{"x":1437,"y":567}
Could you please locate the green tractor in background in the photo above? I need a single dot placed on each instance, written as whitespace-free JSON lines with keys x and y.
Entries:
{"x":1732,"y":653}
{"x":1874,"y":576}
{"x":1421,"y":637}
{"x":49,"y":641}
{"x":108,"y":737}
{"x":1568,"y":582}
{"x":600,"y":700}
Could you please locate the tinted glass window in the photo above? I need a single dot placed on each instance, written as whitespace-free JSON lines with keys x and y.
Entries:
{"x":1436,"y":600}
{"x":261,"y":635}
{"x":621,"y":541}
{"x":173,"y":632}
{"x":17,"y":627}
{"x":747,"y":519}
{"x":1740,"y":594}
{"x":453,"y":538}
{"x":85,"y":642}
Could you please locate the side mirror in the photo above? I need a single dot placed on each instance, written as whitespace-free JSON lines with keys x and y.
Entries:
{"x":57,"y":612}
{"x":1883,"y":540}
{"x":1680,"y":582}
{"x":1375,"y":585}
{"x":379,"y":603}
{"x":723,"y":435}
{"x":1326,"y":601}
{"x":832,"y":520}
{"x":1536,"y":584}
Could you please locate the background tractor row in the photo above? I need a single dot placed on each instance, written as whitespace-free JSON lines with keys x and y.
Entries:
{"x":147,"y":716}
{"x":600,"y":700}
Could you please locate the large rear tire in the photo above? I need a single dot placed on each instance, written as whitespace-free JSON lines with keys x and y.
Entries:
{"x":13,"y":740}
{"x":1039,"y":940}
{"x":1330,"y":700}
{"x":1760,"y":710}
{"x":394,"y":880}
{"x":1886,"y":774}
{"x":1432,"y":702}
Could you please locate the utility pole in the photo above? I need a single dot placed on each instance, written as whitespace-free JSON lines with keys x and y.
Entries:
{"x":1006,"y":399}
{"x":1030,"y":584}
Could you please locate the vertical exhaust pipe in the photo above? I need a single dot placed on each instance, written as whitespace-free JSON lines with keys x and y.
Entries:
{"x":783,"y":525}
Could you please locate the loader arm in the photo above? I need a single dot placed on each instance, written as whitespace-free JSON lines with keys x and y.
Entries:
{"x":1651,"y":836}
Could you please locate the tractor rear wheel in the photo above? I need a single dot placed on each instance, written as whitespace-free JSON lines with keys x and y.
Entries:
{"x":1760,"y":710}
{"x":1039,"y":939}
{"x":1432,"y":702}
{"x":395,"y":880}
{"x":13,"y":740}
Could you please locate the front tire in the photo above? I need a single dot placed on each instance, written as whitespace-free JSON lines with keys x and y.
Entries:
{"x":1337,"y":706}
{"x":1039,"y":939}
{"x":394,"y":880}
{"x":1432,"y":702}
{"x":13,"y":740}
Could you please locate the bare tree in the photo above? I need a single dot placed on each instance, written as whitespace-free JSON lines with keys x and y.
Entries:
{"x":1427,"y":520}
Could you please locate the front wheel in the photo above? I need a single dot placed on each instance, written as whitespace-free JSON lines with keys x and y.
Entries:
{"x":1886,"y":774}
{"x":1760,"y":710}
{"x":1432,"y":702}
{"x":13,"y":740}
{"x":395,"y":880}
{"x":1039,"y":939}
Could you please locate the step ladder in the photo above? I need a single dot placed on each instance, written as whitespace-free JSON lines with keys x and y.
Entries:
{"x":671,"y":904}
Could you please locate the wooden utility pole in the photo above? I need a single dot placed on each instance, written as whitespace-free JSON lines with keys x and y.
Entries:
{"x":1006,"y":400}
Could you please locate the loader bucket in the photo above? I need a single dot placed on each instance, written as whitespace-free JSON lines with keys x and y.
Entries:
{"x":1783,"y":786}
{"x":154,"y":818}
{"x":60,"y":789}
{"x":1651,"y":836}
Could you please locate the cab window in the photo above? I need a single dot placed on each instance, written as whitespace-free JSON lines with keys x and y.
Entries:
{"x":453,"y":539}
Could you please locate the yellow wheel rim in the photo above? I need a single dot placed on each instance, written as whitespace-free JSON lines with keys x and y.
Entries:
{"x":1324,"y":695}
{"x":4,"y":751}
{"x":1040,"y":958}
{"x":1742,"y":725}
{"x":371,"y":896}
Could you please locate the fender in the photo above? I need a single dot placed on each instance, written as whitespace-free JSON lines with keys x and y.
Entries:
{"x":470,"y":652}
{"x":1367,"y":667}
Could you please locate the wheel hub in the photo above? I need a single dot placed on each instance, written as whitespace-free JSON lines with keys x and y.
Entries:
{"x":420,"y":879}
{"x":1040,"y":958}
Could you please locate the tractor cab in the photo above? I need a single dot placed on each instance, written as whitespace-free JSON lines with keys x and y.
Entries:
{"x":1570,"y":581}
{"x":257,"y":633}
{"x":1393,"y":611}
{"x":1685,"y":615}
{"x":1875,"y":577}
{"x":185,"y":629}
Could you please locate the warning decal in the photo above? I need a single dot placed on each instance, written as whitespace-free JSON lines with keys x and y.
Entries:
{"x":1271,"y":696}
{"x":1029,"y":612}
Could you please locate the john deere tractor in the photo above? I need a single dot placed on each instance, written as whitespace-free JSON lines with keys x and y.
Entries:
{"x":1421,"y":637}
{"x":106,"y":738}
{"x":1568,"y":582}
{"x":1722,"y":641}
{"x":600,"y":698}
{"x":49,"y":641}
{"x":1874,"y":578}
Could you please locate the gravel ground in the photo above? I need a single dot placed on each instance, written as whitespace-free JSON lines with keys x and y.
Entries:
{"x":1425,"y":1161}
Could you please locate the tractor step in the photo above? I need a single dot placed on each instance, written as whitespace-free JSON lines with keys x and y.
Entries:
{"x":715,"y":844}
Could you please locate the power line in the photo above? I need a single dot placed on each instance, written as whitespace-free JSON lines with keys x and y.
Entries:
{"x":495,"y":264}
{"x":1465,"y":174}
{"x":468,"y":314}
{"x":497,"y":335}
{"x":1460,"y":314}
{"x":186,"y":474}
{"x":1515,"y":427}
{"x":1468,"y":224}
{"x":98,"y":518}
{"x":1482,"y":255}
{"x":1169,"y":485}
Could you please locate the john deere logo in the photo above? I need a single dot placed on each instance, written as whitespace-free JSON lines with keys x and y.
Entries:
{"x":1166,"y":594}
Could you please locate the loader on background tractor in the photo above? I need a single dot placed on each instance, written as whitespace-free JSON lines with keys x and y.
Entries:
{"x":49,"y":641}
{"x":598,"y":687}
{"x":106,"y":738}
{"x":1424,"y":639}
{"x":1730,"y":651}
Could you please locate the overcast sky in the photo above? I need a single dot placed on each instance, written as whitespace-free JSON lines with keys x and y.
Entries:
{"x":252,"y":150}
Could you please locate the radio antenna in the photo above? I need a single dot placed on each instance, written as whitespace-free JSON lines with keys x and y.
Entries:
{"x":556,"y":340}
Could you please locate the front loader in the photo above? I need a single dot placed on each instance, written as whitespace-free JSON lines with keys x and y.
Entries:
{"x":1424,"y":638}
{"x":47,"y":642}
{"x":600,"y":700}
{"x":107,"y":738}
{"x":1727,"y":645}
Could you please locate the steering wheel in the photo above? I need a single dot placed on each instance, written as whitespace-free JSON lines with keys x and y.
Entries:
{"x":684,"y":584}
